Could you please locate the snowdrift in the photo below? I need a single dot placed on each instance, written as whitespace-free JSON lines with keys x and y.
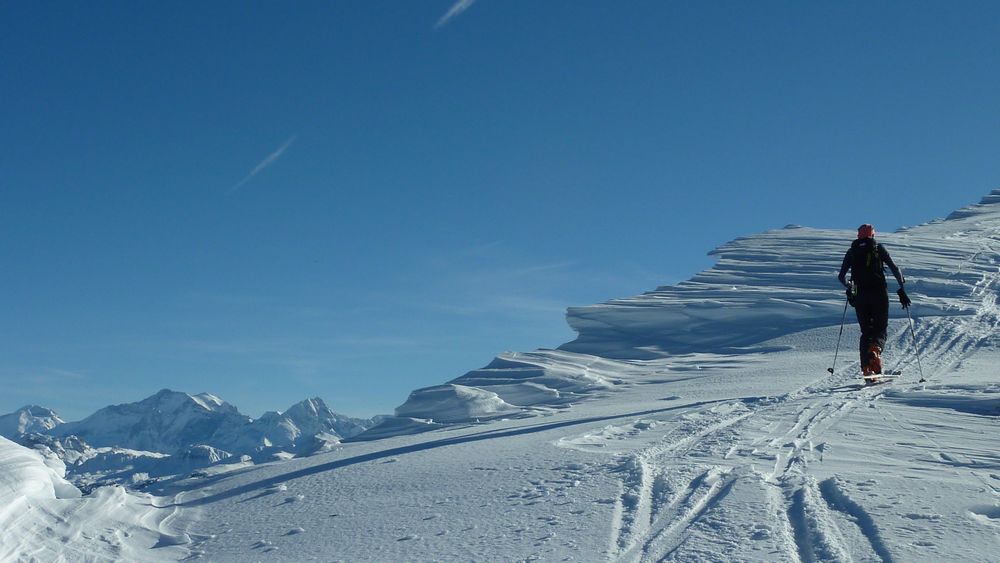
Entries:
{"x":24,"y":474}
{"x":45,"y":518}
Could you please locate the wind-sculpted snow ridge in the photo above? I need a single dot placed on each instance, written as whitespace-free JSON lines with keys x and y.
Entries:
{"x":513,"y":384}
{"x":45,"y":518}
{"x":764,"y":286}
{"x":783,"y":281}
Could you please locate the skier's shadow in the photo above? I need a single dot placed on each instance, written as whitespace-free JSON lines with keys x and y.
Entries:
{"x":464,"y":439}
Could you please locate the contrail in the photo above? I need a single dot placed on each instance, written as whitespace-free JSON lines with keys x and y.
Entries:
{"x":264,"y":163}
{"x":456,"y":9}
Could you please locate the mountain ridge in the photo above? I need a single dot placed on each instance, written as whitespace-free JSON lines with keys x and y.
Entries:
{"x":172,"y":432}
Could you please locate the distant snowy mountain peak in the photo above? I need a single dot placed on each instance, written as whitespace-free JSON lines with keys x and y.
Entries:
{"x":168,"y":422}
{"x":31,"y":418}
{"x":310,"y":410}
{"x":169,"y":401}
{"x":302,"y":421}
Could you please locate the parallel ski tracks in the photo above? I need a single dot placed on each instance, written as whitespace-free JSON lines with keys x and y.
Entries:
{"x":669,"y":488}
{"x":657,"y":507}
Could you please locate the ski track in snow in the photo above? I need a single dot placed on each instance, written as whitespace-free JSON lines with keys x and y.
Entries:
{"x":656,"y":508}
{"x":822,"y":521}
{"x":650,"y":523}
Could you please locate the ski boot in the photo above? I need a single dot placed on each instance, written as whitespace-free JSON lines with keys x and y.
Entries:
{"x":873,"y":368}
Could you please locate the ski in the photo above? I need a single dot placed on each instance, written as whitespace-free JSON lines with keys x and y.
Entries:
{"x":881,"y":377}
{"x":874,"y":382}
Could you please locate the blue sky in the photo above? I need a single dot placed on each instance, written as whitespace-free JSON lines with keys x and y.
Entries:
{"x":354,"y":199}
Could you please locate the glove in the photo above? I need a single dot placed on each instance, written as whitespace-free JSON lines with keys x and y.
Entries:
{"x":904,"y":300}
{"x":850,"y":296}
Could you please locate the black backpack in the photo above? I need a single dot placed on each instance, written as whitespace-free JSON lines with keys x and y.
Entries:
{"x":867,"y":268}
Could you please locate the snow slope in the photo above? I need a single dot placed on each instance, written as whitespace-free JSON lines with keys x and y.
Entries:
{"x":765,"y":459}
{"x":692,"y":423}
{"x":44,"y":518}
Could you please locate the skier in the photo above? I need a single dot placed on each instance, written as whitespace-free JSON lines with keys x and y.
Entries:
{"x":868,"y":294}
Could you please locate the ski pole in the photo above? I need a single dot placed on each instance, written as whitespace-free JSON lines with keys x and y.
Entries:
{"x":915,"y":349}
{"x":842,"y":319}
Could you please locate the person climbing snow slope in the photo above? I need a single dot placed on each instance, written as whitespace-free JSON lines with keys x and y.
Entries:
{"x":867,"y":292}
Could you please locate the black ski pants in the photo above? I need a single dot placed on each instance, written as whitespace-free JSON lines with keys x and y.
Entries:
{"x":872,"y":308}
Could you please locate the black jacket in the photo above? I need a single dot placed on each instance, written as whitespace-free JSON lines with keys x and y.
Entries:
{"x":866,"y":260}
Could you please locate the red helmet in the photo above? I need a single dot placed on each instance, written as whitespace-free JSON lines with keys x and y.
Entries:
{"x":866,"y":231}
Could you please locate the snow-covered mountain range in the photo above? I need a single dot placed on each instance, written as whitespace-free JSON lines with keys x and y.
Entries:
{"x":171,"y":432}
{"x":695,"y":422}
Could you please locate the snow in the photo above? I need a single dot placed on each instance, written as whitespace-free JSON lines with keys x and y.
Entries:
{"x":31,"y":418}
{"x":695,"y":422}
{"x":455,"y":403}
{"x":167,"y":422}
{"x":766,"y":458}
{"x":45,"y":518}
{"x":171,"y":422}
{"x":173,"y":433}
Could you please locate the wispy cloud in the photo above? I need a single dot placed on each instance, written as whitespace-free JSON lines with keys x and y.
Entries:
{"x":456,"y":9}
{"x":271,"y":158}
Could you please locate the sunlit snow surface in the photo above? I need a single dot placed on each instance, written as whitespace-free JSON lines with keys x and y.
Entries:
{"x":44,"y":518}
{"x":692,"y":423}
